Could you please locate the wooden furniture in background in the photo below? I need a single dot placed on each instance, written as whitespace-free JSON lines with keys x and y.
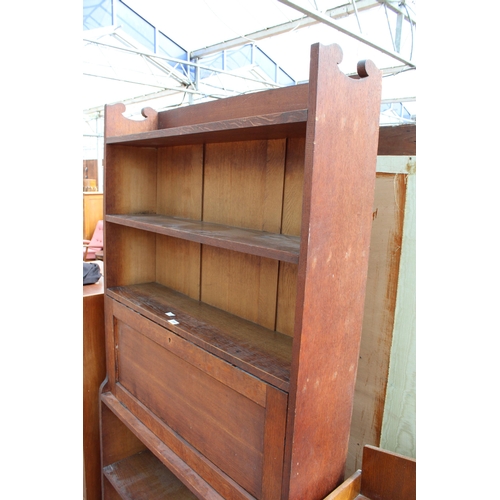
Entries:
{"x":92,"y":212}
{"x":236,"y":253}
{"x":90,"y":175}
{"x":94,"y":372}
{"x":384,"y":476}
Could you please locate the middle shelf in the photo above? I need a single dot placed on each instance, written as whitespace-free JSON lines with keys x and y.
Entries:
{"x":261,"y":243}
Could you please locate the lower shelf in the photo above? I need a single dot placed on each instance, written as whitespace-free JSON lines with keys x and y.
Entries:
{"x":124,"y":438}
{"x":143,"y":476}
{"x":264,"y":353}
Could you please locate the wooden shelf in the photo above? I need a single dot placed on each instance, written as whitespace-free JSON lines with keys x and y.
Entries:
{"x":263,"y":244}
{"x":144,"y":476}
{"x":263,"y":353}
{"x":125,"y":458}
{"x":270,"y":126}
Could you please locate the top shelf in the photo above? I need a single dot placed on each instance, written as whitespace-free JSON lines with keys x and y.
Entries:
{"x":269,"y":126}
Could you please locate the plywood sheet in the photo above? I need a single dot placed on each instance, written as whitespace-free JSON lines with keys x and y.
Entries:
{"x":378,"y":322}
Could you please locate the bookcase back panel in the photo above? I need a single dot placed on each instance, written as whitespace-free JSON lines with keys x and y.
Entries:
{"x":259,"y":103}
{"x":132,"y":258}
{"x":244,"y":184}
{"x":242,"y":284}
{"x":130,"y":180}
{"x":178,"y":265}
{"x":294,"y":180}
{"x":180,"y":178}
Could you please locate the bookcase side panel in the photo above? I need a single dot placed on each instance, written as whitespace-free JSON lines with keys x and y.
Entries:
{"x":339,"y":178}
{"x":130,"y":256}
{"x":117,"y":441}
{"x":130,"y":180}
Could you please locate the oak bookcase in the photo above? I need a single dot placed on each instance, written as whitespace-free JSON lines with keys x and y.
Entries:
{"x":236,"y":250}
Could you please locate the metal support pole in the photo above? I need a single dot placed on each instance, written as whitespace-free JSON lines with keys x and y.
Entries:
{"x":399,"y":28}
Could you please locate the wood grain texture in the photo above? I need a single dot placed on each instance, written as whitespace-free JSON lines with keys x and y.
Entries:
{"x":117,"y":441}
{"x":236,"y":421}
{"x":180,"y":181}
{"x":116,"y":124}
{"x":176,"y":453}
{"x":268,"y":165}
{"x":274,"y":438}
{"x":131,"y":255}
{"x":379,"y":315}
{"x":287,"y":296}
{"x":224,"y":426}
{"x":399,"y":423}
{"x":144,"y":476}
{"x":178,"y":265}
{"x":260,"y":103}
{"x":130,"y":176}
{"x":286,"y":113}
{"x":260,"y":243}
{"x":398,"y":140}
{"x":241,"y":284}
{"x":253,"y":127}
{"x":94,"y":372}
{"x":109,"y":492}
{"x":255,"y":349}
{"x":243,"y":185}
{"x":293,"y":186}
{"x":247,"y":385}
{"x":337,"y":213}
{"x":348,"y":490}
{"x":130,"y":427}
{"x":386,"y":475}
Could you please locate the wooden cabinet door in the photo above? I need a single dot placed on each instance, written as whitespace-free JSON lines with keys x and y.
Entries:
{"x":224,"y":423}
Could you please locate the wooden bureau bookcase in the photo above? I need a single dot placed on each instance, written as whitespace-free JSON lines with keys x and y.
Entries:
{"x":236,"y":250}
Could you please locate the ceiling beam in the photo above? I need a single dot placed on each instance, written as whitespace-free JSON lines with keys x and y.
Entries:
{"x":186,"y":82}
{"x":398,"y":10}
{"x":303,"y":22}
{"x":151,"y":58}
{"x":329,"y":22}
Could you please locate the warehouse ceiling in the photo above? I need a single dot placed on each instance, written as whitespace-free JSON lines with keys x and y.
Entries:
{"x":164,"y":55}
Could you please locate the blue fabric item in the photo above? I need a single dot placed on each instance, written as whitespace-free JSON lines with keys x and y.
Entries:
{"x":91,"y":273}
